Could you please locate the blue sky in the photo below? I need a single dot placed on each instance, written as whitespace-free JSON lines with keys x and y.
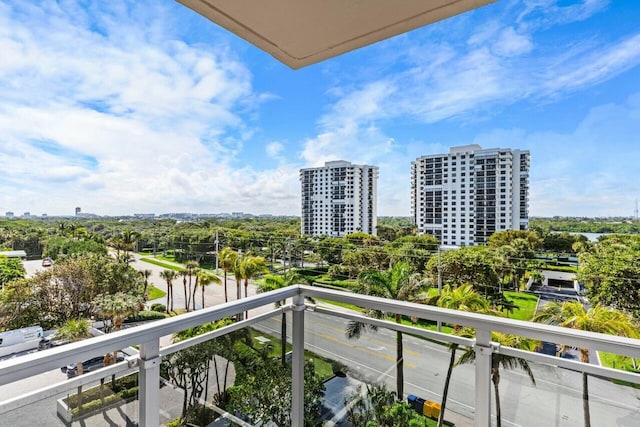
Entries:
{"x":123,"y":107}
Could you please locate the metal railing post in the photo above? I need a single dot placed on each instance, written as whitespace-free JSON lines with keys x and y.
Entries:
{"x":149,"y":383}
{"x":297,"y":365}
{"x":483,"y":351}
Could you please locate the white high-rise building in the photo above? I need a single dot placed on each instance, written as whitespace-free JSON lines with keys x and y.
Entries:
{"x":468,"y":194}
{"x":339,"y":198}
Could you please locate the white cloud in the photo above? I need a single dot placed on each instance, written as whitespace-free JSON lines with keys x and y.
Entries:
{"x":443,"y":79}
{"x":510,"y":43}
{"x":586,"y":169}
{"x":274,"y":150}
{"x":109,"y":111}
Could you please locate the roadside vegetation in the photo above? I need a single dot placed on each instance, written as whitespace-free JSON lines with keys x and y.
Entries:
{"x":396,"y":264}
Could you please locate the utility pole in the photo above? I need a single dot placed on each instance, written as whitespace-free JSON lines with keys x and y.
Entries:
{"x":439,"y":285}
{"x":217,"y":250}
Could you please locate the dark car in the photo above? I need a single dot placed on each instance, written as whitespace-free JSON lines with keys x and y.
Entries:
{"x":88,"y":365}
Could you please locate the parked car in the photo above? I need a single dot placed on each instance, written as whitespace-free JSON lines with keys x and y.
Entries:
{"x":47,"y":262}
{"x":88,"y":365}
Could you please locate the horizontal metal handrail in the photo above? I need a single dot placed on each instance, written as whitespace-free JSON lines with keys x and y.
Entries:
{"x":573,"y":365}
{"x":539,"y":331}
{"x":128,"y":366}
{"x":36,"y":363}
{"x":578,"y":366}
{"x":412,"y":330}
{"x":173,"y":348}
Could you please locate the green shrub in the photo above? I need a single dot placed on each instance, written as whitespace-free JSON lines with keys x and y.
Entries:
{"x":160,"y":308}
{"x":562,"y":268}
{"x":338,"y":368}
{"x":128,"y":393}
{"x":94,"y":405}
{"x":144,"y":316}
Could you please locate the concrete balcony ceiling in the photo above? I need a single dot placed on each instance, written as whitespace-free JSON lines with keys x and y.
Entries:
{"x":304,"y":32}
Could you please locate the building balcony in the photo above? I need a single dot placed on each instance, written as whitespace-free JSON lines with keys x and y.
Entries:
{"x":32,"y":387}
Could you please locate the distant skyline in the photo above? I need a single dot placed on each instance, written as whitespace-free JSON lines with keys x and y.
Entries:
{"x":144,"y":106}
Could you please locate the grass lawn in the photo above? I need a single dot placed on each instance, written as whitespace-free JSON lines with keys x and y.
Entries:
{"x":162,"y":264}
{"x":617,"y":361}
{"x":322,"y":366}
{"x":526,"y":305}
{"x":155,"y":293}
{"x":341,"y":304}
{"x":167,"y":258}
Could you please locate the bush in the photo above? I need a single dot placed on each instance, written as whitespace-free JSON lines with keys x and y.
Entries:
{"x":160,"y":308}
{"x":338,"y":368}
{"x":128,"y":393}
{"x":144,"y":316}
{"x":312,"y":271}
{"x":94,"y":405}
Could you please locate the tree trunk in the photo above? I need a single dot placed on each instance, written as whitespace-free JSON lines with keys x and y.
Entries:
{"x":399,"y":363}
{"x":585,"y":400}
{"x":202,"y":288}
{"x":246,"y":293}
{"x":215,"y":366}
{"x":206,"y":396}
{"x":193,"y":295}
{"x":186,"y":303}
{"x":80,"y":392}
{"x":226,"y":295}
{"x":496,"y":381}
{"x":171,"y":289}
{"x":226,"y":374}
{"x":445,"y":391}
{"x":283,"y":339}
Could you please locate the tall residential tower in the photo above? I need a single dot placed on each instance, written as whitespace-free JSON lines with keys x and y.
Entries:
{"x":468,"y":194}
{"x":339,"y":198}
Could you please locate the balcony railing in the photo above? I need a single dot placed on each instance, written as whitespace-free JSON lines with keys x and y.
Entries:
{"x":319,"y":328}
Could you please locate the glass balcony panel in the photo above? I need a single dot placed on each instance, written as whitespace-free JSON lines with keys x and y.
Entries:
{"x":365,"y":364}
{"x":55,"y":398}
{"x":237,"y":376}
{"x":557,"y":398}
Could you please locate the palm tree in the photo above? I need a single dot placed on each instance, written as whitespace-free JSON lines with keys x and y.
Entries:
{"x":169,"y":276}
{"x":204,"y":279}
{"x":145,"y":275}
{"x":463,"y":298}
{"x":227,"y":258}
{"x":184,"y":274}
{"x":251,"y":266}
{"x":130,"y":238}
{"x":398,"y":283}
{"x":74,"y":330}
{"x":246,"y":269}
{"x":271,"y":282}
{"x":192,"y":268}
{"x":117,"y":307}
{"x":605,"y":320}
{"x":499,"y":361}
